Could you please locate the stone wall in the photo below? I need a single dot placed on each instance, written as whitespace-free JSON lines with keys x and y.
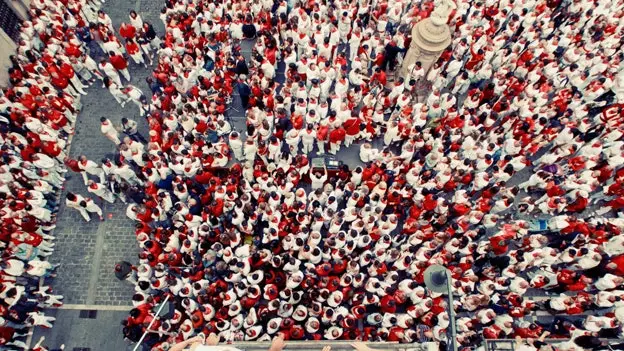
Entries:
{"x":7,"y":48}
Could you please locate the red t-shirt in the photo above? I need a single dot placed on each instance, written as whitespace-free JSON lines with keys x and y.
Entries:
{"x":119,"y":62}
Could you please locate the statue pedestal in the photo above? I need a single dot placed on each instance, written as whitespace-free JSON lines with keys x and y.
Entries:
{"x":429,"y":39}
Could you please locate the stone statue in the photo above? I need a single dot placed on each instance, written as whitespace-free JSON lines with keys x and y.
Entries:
{"x":430,"y":37}
{"x":443,"y":9}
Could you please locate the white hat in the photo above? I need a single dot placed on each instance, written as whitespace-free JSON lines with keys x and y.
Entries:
{"x":235,"y":309}
{"x":333,"y":333}
{"x":253,"y":332}
{"x":295,"y":279}
{"x":223,"y":325}
{"x":237,"y":322}
{"x":255,"y":277}
{"x":274,"y":325}
{"x":312,"y":325}
{"x":251,"y":319}
{"x":301,"y":312}
{"x":230,"y":298}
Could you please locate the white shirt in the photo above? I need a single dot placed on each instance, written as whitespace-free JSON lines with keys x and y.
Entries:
{"x":108,"y":129}
{"x":317,"y":182}
{"x":606,"y":282}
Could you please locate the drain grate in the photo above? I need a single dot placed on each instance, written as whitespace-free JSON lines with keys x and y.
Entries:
{"x":88,"y":314}
{"x":81,"y":349}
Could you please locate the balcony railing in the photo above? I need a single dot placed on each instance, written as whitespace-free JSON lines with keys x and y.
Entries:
{"x":311,"y":345}
{"x":510,"y":344}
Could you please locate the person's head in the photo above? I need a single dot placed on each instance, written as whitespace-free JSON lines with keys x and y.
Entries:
{"x":135,"y":313}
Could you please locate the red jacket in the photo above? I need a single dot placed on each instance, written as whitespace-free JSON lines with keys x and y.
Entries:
{"x":337,"y":135}
{"x":73,"y":50}
{"x":60,"y":82}
{"x":67,"y":71}
{"x":322,"y":133}
{"x":619,"y":261}
{"x":499,"y":244}
{"x":51,"y":149}
{"x":352,"y":126}
{"x":119,"y":62}
{"x":128,"y":31}
{"x":132,"y":48}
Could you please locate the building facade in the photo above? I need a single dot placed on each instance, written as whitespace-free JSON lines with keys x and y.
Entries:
{"x":12,"y":12}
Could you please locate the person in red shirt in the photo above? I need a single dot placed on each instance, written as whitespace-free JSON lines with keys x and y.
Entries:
{"x":322,"y":135}
{"x":616,"y":265}
{"x":336,"y":137}
{"x":72,"y":50}
{"x":499,"y":244}
{"x":52,"y":149}
{"x":67,"y":71}
{"x":475,"y":58}
{"x":120,"y":64}
{"x":352,"y":128}
{"x":127,"y":31}
{"x":133,"y":49}
{"x":59,"y":82}
{"x":380,"y":77}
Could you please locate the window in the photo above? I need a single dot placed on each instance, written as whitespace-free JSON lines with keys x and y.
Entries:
{"x":9,"y":21}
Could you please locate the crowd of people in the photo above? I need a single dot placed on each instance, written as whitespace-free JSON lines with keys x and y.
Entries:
{"x":248,"y":239}
{"x":48,"y":73}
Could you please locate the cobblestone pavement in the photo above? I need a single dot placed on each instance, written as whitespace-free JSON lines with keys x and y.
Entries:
{"x":89,"y":251}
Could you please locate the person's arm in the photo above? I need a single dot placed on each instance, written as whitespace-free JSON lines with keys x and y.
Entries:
{"x":544,"y":335}
{"x":181,"y":346}
{"x":325,"y":175}
{"x":278,"y":344}
{"x":360,"y":346}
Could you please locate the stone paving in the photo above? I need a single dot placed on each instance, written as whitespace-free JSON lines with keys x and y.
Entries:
{"x":89,"y":251}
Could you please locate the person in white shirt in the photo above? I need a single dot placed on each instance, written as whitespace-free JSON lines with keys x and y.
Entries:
{"x":89,"y":167}
{"x":39,"y":319}
{"x":135,"y":95}
{"x":236,"y":145}
{"x":318,"y":178}
{"x":44,"y":161}
{"x":108,"y":129}
{"x":73,"y":201}
{"x":101,"y":191}
{"x":110,"y":72}
{"x":609,"y":282}
{"x":416,"y":71}
{"x":307,"y":138}
{"x":90,"y":206}
{"x":268,"y":69}
{"x":124,"y":171}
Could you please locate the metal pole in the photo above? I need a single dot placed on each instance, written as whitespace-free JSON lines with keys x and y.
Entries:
{"x":451,"y":311}
{"x":162,"y":305}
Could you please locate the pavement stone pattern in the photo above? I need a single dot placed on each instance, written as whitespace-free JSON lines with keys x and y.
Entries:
{"x":102,"y":333}
{"x":76,"y":239}
{"x":75,"y":246}
{"x":119,"y":244}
